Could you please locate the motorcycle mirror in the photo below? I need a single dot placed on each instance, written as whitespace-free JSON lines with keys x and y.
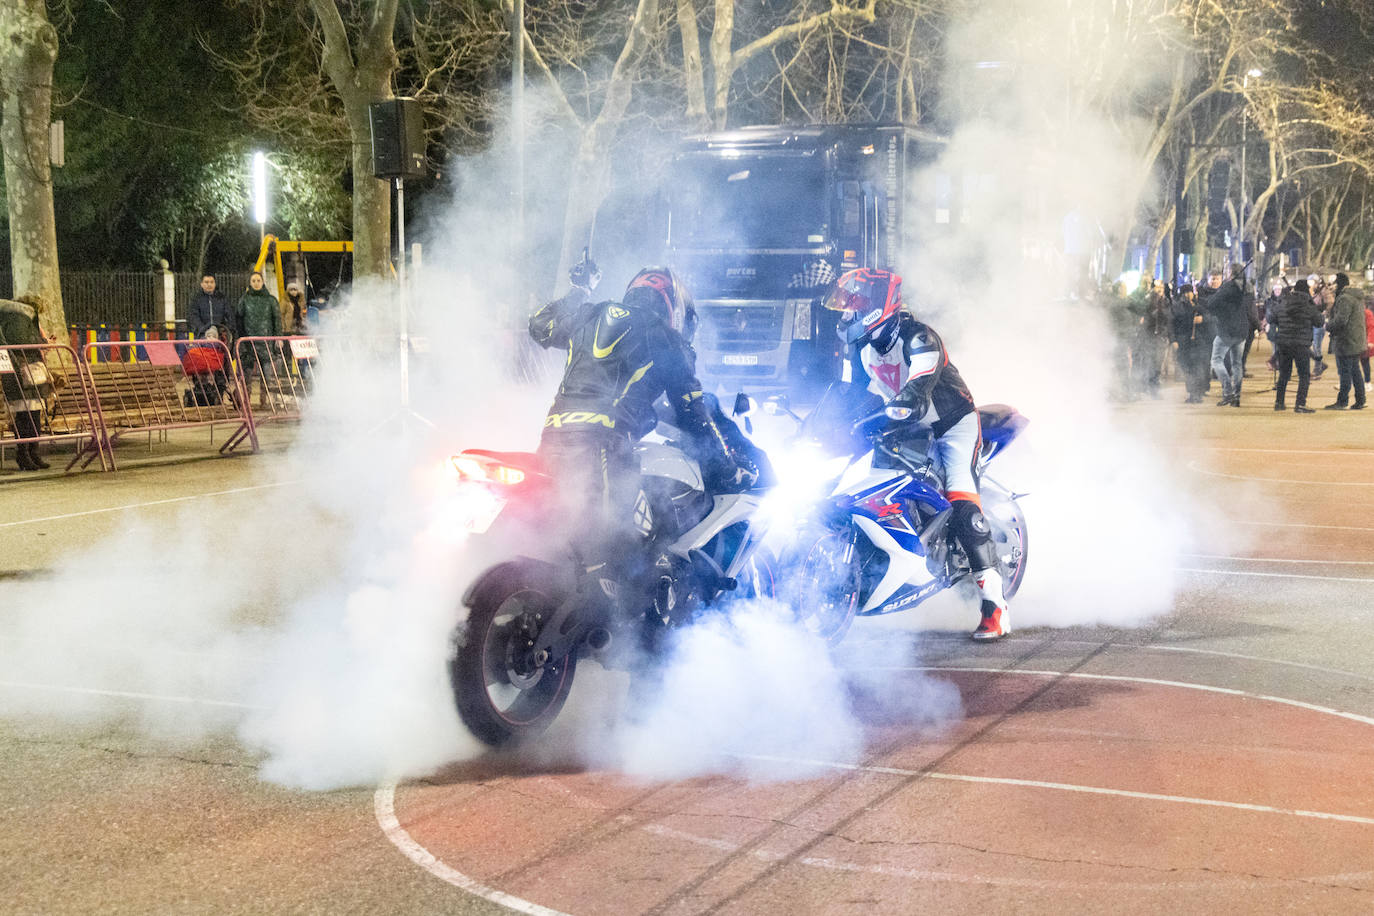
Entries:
{"x":742,"y":404}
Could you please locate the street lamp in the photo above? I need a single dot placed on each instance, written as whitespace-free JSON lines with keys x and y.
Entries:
{"x":260,"y":193}
{"x":1256,"y":72}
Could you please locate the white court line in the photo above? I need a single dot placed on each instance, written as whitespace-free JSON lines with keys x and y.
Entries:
{"x":1287,"y":451}
{"x":1192,"y":465}
{"x":151,"y":502}
{"x":1272,"y":575}
{"x":1223,"y":556}
{"x":125,"y":694}
{"x":1155,"y":647}
{"x":1067,"y":787}
{"x":1299,"y":525}
{"x":385,"y":796}
{"x":384,"y":807}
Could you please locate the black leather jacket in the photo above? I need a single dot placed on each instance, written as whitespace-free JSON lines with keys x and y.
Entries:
{"x":620,"y":359}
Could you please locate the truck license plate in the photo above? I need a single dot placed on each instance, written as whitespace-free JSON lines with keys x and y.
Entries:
{"x":740,"y":359}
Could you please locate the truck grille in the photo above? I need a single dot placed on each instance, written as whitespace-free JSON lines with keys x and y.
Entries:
{"x":742,"y":329}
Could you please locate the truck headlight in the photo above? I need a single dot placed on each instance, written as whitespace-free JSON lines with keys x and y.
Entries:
{"x":801,"y":319}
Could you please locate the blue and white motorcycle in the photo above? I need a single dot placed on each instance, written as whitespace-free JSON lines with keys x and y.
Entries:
{"x":878,"y":540}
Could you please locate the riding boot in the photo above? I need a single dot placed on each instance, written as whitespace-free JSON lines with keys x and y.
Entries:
{"x":21,"y":457}
{"x":34,"y":459}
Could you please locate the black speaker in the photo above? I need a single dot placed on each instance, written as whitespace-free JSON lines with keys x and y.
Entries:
{"x":1185,"y":241}
{"x":398,"y":139}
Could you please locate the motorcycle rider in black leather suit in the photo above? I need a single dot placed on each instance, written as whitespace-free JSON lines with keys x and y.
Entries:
{"x":621,"y":357}
{"x":905,"y":362}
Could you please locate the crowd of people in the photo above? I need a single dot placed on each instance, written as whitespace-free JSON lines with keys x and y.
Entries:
{"x":1205,"y":332}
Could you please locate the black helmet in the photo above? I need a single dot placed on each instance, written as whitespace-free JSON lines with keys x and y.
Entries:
{"x":660,"y":290}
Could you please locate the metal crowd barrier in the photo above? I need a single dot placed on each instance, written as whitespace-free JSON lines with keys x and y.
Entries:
{"x":48,"y":399}
{"x":174,"y":384}
{"x":280,"y":370}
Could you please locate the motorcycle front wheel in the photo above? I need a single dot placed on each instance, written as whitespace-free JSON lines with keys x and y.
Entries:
{"x":823,"y":585}
{"x":502,"y":694}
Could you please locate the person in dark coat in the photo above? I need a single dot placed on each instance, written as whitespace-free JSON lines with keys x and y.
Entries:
{"x":1293,"y":319}
{"x":27,"y":387}
{"x":207,"y":309}
{"x":258,"y":315}
{"x":1227,"y":308}
{"x":1348,"y":344}
{"x":1188,"y":332}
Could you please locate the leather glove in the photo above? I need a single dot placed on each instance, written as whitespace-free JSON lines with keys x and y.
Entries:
{"x":907,"y":407}
{"x":585,"y":274}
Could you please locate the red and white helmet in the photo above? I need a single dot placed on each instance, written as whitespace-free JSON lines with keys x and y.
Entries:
{"x":869,"y":301}
{"x":665,"y":293}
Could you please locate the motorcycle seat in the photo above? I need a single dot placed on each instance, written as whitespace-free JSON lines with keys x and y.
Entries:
{"x":992,"y":416}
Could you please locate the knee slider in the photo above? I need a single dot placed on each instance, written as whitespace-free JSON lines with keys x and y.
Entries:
{"x":969,"y":524}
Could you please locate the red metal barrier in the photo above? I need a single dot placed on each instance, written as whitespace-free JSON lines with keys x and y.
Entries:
{"x":48,"y":399}
{"x":177,"y":384}
{"x":282,"y":372}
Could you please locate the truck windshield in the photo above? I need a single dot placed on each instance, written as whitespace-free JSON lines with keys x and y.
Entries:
{"x":748,"y":202}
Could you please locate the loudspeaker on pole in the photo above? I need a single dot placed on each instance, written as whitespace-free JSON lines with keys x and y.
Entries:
{"x":398,"y":139}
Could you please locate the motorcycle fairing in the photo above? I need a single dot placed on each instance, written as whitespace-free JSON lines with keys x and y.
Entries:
{"x":904,"y":568}
{"x":728,"y":510}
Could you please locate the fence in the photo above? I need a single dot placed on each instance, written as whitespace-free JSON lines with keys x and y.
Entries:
{"x":131,"y":297}
{"x":48,"y":399}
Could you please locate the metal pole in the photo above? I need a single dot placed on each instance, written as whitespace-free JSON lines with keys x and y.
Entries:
{"x":403,"y":298}
{"x":517,"y":113}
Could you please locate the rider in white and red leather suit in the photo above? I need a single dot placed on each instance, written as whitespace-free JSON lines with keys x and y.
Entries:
{"x":907,"y":365}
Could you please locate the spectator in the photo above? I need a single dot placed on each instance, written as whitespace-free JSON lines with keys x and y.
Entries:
{"x":1322,"y":295}
{"x":1349,"y":341}
{"x":1151,"y":336}
{"x":1231,"y":322}
{"x":299,"y":324}
{"x":1123,"y":326}
{"x":1369,"y":334}
{"x":207,"y":309}
{"x":27,"y":388}
{"x":1186,"y":326}
{"x":258,"y":316}
{"x":1293,"y":320}
{"x":1275,"y":297}
{"x":1209,"y":325}
{"x":1253,"y":311}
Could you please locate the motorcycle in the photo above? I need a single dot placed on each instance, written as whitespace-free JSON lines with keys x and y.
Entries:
{"x":511,"y":664}
{"x":879,"y":540}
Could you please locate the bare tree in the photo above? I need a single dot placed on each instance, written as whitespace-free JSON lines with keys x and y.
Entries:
{"x":28,"y":50}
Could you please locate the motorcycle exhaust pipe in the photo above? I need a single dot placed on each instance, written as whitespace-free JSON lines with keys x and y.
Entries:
{"x":598,"y":638}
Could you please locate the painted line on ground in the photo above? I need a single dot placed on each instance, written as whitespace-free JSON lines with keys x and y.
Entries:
{"x":125,"y":694}
{"x":1300,"y":525}
{"x":1222,"y":556}
{"x":1272,"y":575}
{"x":1192,"y":465}
{"x":385,"y":797}
{"x":1065,"y":787}
{"x":151,"y":502}
{"x":384,"y":807}
{"x":1287,"y":451}
{"x":1155,"y":647}
{"x":1159,"y":682}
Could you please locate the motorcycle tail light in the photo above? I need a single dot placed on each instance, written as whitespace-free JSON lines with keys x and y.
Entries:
{"x":473,"y":469}
{"x":468,"y":468}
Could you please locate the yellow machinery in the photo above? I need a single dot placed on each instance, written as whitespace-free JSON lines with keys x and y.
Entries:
{"x":273,"y":247}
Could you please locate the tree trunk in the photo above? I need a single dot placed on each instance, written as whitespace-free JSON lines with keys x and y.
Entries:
{"x":28,"y":49}
{"x":361,"y":75}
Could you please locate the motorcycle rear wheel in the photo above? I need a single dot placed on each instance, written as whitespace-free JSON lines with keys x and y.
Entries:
{"x":823,"y":588}
{"x":502,"y":696}
{"x":1010,"y":540}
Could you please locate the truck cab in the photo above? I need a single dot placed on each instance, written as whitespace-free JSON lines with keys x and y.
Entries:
{"x":761,"y":221}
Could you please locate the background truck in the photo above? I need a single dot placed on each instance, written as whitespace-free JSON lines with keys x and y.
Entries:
{"x":762,"y":218}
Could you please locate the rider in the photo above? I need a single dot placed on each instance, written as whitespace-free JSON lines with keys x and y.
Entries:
{"x":906,"y":364}
{"x":621,"y":357}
